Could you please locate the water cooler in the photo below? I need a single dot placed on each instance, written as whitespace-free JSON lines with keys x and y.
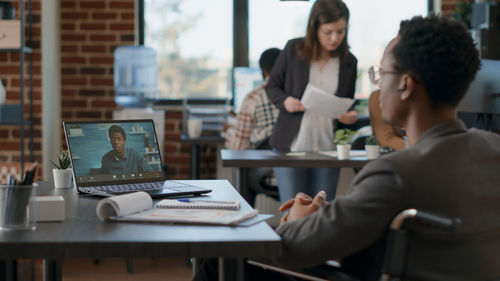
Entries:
{"x":135,"y":76}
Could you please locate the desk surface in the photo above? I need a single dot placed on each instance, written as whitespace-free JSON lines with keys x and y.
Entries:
{"x":269,"y":158}
{"x":82,"y":234}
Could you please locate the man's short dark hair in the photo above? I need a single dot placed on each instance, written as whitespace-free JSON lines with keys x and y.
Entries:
{"x":268,"y":58}
{"x":117,"y":129}
{"x":440,"y":54}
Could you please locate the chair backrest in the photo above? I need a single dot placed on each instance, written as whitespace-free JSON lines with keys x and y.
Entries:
{"x":396,"y":250}
{"x":14,"y":168}
{"x":359,"y":143}
{"x":358,"y":139}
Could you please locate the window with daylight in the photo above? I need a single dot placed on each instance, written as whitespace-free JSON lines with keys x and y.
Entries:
{"x":371,"y":26}
{"x":193,"y":39}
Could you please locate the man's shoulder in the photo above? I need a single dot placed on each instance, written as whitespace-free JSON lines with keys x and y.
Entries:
{"x":483,"y":134}
{"x":443,"y":148}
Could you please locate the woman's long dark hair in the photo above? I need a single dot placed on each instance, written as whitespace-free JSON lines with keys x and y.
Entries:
{"x":323,"y":11}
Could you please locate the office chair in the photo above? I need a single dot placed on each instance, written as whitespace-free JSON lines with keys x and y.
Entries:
{"x":257,"y":178}
{"x":394,"y":263}
{"x":359,"y":143}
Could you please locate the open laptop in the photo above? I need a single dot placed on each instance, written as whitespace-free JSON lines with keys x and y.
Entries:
{"x":120,"y":156}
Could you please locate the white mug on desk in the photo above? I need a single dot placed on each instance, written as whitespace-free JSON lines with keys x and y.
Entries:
{"x":194,"y":127}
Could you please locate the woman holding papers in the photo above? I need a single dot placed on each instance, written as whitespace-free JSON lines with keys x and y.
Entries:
{"x":313,"y":67}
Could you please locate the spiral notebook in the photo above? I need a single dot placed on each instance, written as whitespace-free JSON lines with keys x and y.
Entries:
{"x":197,"y":204}
{"x":138,"y":207}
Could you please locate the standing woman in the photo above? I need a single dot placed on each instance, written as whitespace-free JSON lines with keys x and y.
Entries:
{"x":321,"y":58}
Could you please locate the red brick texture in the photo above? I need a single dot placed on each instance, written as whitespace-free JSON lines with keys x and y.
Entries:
{"x":90,"y":31}
{"x":9,"y":74}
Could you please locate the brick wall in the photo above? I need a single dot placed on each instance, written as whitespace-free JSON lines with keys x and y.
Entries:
{"x":177,"y":155}
{"x":90,"y":32}
{"x":9,"y":73}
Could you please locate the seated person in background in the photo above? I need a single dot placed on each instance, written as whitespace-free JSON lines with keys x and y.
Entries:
{"x":120,"y":160}
{"x":386,"y":134}
{"x":257,"y":115}
{"x":449,"y":170}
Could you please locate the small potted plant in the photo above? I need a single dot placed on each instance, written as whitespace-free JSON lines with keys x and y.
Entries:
{"x":343,"y":142}
{"x":63,"y":175}
{"x":371,"y":147}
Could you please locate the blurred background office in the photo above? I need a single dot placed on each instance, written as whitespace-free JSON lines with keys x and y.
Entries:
{"x":198,"y":44}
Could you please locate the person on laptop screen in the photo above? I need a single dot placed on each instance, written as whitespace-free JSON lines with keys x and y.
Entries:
{"x":121,"y":159}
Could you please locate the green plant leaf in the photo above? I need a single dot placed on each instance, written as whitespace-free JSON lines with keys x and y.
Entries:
{"x":343,"y":136}
{"x":55,"y":165}
{"x":63,"y":159}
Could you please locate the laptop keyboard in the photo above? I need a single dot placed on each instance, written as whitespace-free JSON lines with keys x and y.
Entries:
{"x":120,"y":188}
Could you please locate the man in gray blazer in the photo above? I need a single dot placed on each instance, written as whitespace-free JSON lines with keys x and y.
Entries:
{"x":449,"y":170}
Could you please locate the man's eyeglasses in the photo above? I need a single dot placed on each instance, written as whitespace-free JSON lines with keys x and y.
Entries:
{"x":376,"y":72}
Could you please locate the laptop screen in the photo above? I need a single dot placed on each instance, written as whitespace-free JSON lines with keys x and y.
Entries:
{"x":114,"y":152}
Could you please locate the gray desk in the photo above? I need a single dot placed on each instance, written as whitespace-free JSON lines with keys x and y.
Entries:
{"x":245,"y":159}
{"x":83,"y":235}
{"x":195,"y":143}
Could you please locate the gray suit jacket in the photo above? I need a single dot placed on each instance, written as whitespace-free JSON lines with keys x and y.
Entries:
{"x":289,"y":77}
{"x":451,"y":171}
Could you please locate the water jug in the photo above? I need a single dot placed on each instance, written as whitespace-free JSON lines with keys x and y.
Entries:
{"x":135,"y":76}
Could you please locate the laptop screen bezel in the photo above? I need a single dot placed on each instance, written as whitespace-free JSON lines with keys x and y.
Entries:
{"x":118,"y":181}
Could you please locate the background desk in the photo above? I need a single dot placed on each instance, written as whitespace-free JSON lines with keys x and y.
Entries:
{"x":195,"y":150}
{"x":244,"y":159}
{"x":83,"y":235}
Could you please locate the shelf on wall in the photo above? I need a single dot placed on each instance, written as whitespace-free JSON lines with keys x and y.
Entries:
{"x":27,"y":50}
{"x":10,"y":115}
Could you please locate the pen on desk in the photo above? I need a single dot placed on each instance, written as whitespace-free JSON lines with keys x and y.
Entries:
{"x":205,"y":201}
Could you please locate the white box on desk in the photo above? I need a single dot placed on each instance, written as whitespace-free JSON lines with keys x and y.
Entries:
{"x":10,"y":34}
{"x":49,"y":208}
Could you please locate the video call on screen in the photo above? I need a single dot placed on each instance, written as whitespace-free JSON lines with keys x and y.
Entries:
{"x":89,"y":143}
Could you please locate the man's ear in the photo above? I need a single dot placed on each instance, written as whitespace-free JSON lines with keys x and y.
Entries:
{"x":406,"y":86}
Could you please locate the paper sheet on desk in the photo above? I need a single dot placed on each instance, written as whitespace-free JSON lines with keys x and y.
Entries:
{"x":352,"y":153}
{"x":322,"y":103}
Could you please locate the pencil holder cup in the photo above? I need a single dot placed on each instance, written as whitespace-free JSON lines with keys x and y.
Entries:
{"x":16,"y":208}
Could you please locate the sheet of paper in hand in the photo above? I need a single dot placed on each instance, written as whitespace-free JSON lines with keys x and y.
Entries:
{"x":322,"y":103}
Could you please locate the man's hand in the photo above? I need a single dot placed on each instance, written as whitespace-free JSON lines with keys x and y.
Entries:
{"x":293,"y":105}
{"x":349,"y":117}
{"x":301,"y":206}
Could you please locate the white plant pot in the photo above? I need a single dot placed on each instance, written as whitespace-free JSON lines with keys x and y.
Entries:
{"x":371,"y":151}
{"x":343,"y":151}
{"x":63,"y":178}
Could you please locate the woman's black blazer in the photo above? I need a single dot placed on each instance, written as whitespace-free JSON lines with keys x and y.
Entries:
{"x":289,"y":77}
